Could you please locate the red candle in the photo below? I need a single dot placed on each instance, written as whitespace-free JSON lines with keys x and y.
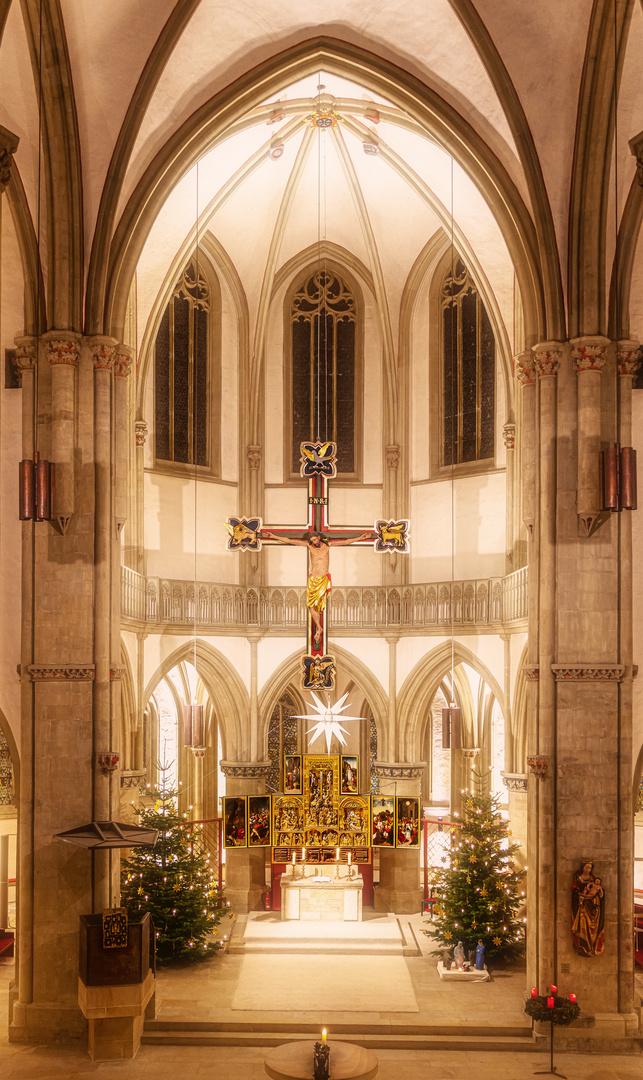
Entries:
{"x":572,"y":998}
{"x":534,"y":992}
{"x":550,"y":1002}
{"x":554,"y":989}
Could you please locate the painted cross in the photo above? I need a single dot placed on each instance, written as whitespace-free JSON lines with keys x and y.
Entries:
{"x":318,"y":466}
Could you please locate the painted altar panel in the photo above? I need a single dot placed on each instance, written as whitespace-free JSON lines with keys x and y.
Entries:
{"x":354,"y":821}
{"x":287,"y":821}
{"x":322,"y":780}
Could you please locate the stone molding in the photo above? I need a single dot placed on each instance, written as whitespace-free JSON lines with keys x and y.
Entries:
{"x":538,"y":765}
{"x":392,"y":456}
{"x":525,"y":369}
{"x":509,"y":436}
{"x":103,"y":350}
{"x":628,"y":360}
{"x":547,"y":357}
{"x":107,"y":761}
{"x":588,"y":672}
{"x":245,"y":770}
{"x":588,"y":353}
{"x":8,"y":145}
{"x":61,"y":673}
{"x":63,"y":348}
{"x":198,"y":751}
{"x":254,"y":457}
{"x":398,"y":770}
{"x":132,"y":778}
{"x":117,"y":673}
{"x":532,"y":672}
{"x":514,"y":781}
{"x":471,"y":751}
{"x":140,"y":430}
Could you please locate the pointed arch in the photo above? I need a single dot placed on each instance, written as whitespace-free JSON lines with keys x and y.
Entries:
{"x":5,"y":727}
{"x":225,"y":688}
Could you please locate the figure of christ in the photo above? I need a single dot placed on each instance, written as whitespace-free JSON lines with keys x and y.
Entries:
{"x":318,"y":585}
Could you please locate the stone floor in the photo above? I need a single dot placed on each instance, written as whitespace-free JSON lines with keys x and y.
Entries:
{"x":206,"y":991}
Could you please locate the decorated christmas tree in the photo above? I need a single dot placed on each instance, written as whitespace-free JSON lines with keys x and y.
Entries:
{"x":479,"y":889}
{"x":174,"y":883}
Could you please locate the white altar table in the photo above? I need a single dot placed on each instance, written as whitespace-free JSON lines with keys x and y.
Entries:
{"x":322,"y":899}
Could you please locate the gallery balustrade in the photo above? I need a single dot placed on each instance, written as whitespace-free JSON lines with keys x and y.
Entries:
{"x":476,"y":603}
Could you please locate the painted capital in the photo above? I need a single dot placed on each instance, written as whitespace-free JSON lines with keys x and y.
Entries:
{"x":629,"y":358}
{"x":8,"y":146}
{"x":25,"y":355}
{"x":103,"y":350}
{"x":123,"y":358}
{"x":588,"y":354}
{"x":509,"y":436}
{"x":392,"y":456}
{"x":107,"y":761}
{"x":538,"y":765}
{"x":547,"y":357}
{"x":525,"y":370}
{"x":140,"y":429}
{"x":63,"y":348}
{"x":254,"y":456}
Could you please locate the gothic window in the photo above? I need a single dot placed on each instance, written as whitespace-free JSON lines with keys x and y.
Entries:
{"x":468,"y":371}
{"x":324,"y":327}
{"x":182,"y":381}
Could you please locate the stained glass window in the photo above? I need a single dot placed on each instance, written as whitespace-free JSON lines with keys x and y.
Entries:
{"x":181,"y":372}
{"x":468,"y":371}
{"x":6,"y":772}
{"x":324,"y":323}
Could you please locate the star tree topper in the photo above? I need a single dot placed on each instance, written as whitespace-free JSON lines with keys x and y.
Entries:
{"x":327,"y":719}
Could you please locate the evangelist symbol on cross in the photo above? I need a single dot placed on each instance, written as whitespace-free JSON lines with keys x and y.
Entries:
{"x":318,"y":466}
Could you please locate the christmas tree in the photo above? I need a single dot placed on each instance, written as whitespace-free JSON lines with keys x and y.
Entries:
{"x":174,"y":882}
{"x":479,"y":889}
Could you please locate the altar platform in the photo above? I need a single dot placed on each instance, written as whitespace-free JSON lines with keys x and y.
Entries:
{"x":266,"y":932}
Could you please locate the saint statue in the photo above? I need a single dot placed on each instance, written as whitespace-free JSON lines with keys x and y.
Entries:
{"x":458,"y":956}
{"x":318,"y":585}
{"x":480,"y":956}
{"x":588,"y":911}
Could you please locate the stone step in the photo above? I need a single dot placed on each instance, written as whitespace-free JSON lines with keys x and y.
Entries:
{"x":234,"y":1036}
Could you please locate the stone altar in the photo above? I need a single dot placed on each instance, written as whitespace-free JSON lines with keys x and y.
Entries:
{"x":322,"y":899}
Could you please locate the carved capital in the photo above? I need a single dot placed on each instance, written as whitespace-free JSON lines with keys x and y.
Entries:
{"x":514,"y":781}
{"x":103,"y":350}
{"x":392,"y":456}
{"x":629,"y":358}
{"x":133,"y":778}
{"x":140,"y":429}
{"x":246,"y":770}
{"x":547,"y":357}
{"x":538,"y":765}
{"x":107,"y":761}
{"x":8,"y":146}
{"x":254,"y":456}
{"x":117,"y":673}
{"x":532,"y":672}
{"x":588,"y":354}
{"x":471,"y":752}
{"x":398,"y":770}
{"x":525,"y":370}
{"x":588,"y":672}
{"x":25,"y":355}
{"x":509,"y":436}
{"x":61,"y":673}
{"x":63,"y":348}
{"x":636,"y":146}
{"x":123,"y":359}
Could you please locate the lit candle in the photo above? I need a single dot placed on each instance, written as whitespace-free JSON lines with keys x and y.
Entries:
{"x":554,"y":989}
{"x":349,"y":858}
{"x":534,"y":992}
{"x":303,"y":854}
{"x":323,"y":1034}
{"x":337,"y":853}
{"x":550,"y":1002}
{"x":294,"y":858}
{"x":572,"y":998}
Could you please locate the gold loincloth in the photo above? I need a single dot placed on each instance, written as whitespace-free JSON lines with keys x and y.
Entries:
{"x":316,"y":591}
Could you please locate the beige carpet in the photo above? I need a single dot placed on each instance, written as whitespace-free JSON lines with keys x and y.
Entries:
{"x":325,"y":983}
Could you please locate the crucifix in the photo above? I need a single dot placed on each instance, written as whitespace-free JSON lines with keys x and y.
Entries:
{"x":318,"y":466}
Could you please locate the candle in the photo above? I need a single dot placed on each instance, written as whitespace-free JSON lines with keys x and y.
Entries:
{"x":534,"y":992}
{"x":303,"y":854}
{"x":572,"y":998}
{"x":554,"y":989}
{"x":294,"y":858}
{"x":323,"y":1034}
{"x":349,"y":858}
{"x":550,"y":1002}
{"x":337,"y":854}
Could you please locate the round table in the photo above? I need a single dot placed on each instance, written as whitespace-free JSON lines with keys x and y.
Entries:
{"x":294,"y":1061}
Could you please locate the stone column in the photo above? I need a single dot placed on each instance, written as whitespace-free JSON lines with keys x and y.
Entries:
{"x":399,"y":889}
{"x":393,"y":738}
{"x":542,"y":740}
{"x":526,"y":375}
{"x":255,"y":491}
{"x":516,"y":785}
{"x":509,"y":437}
{"x":588,"y":356}
{"x":245,"y":875}
{"x":63,"y":351}
{"x":254,"y":637}
{"x":105,"y":737}
{"x":140,"y":429}
{"x":394,"y":568}
{"x":122,"y":367}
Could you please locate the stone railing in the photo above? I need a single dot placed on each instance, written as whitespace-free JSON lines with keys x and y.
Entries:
{"x":485,"y":602}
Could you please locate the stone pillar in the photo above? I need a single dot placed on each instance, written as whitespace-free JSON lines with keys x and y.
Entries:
{"x":516,"y":785}
{"x":245,"y":875}
{"x":542,"y":739}
{"x":254,"y":637}
{"x":63,"y":351}
{"x":399,"y":889}
{"x":255,"y":494}
{"x":394,"y":568}
{"x":509,"y":437}
{"x":526,"y":375}
{"x":393,"y":738}
{"x":122,"y":367}
{"x":140,"y":429}
{"x":588,"y":356}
